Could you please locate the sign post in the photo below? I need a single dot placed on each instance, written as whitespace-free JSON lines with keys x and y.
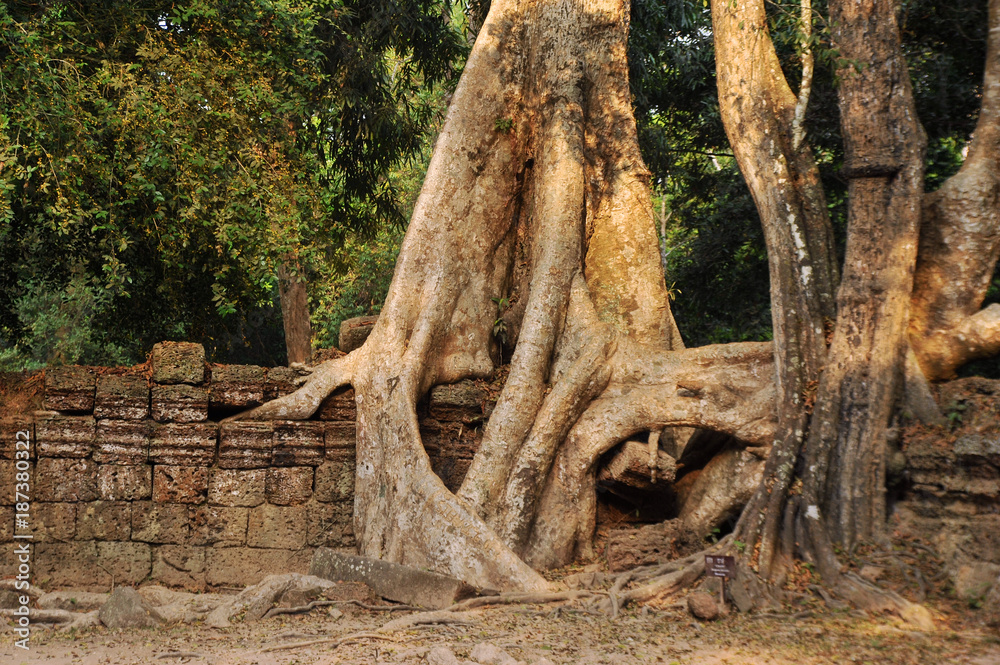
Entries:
{"x":724,"y":567}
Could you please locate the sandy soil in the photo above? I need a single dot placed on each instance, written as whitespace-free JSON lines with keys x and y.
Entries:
{"x":564,"y":634}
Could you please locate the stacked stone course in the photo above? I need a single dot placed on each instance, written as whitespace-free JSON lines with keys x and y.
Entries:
{"x":135,"y":478}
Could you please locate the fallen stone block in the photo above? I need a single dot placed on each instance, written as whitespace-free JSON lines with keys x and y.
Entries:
{"x":127,"y":609}
{"x":393,"y":581}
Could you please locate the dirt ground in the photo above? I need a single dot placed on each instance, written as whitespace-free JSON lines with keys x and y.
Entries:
{"x":567,"y":633}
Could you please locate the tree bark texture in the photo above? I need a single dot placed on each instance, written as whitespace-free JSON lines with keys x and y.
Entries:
{"x":759,"y":112}
{"x":843,"y":494}
{"x":960,"y":244}
{"x":536,"y":193}
{"x":294,"y":315}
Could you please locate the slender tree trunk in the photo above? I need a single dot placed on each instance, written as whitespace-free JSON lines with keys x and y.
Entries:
{"x":295,"y":315}
{"x":759,"y":112}
{"x":960,"y":244}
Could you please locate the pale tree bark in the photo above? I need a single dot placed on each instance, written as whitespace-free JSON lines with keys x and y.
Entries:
{"x":960,"y":244}
{"x":762,"y":117}
{"x":536,"y":192}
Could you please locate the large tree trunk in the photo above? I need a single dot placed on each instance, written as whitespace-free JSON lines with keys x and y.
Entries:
{"x":536,"y":193}
{"x":960,"y":244}
{"x":759,"y":113}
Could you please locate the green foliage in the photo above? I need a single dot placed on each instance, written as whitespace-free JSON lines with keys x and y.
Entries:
{"x":955,"y":412}
{"x":175,"y":152}
{"x":503,"y":125}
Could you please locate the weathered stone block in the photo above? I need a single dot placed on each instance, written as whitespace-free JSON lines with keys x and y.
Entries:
{"x":10,"y":475}
{"x":17,"y":435}
{"x":235,"y":386}
{"x":289,"y":486}
{"x":391,"y":580}
{"x":338,"y":406}
{"x":340,"y":436}
{"x":178,"y":362}
{"x":457,"y":402}
{"x":180,"y":484}
{"x":160,"y":522}
{"x":124,"y":442}
{"x":104,"y":520}
{"x":64,"y":436}
{"x":122,"y":397}
{"x":7,"y":524}
{"x":330,"y":524}
{"x":126,"y":609}
{"x":124,"y":483}
{"x":72,"y":564}
{"x":237,"y":487}
{"x":183,"y":444}
{"x":180,"y":404}
{"x":335,"y":478}
{"x":354,"y":332}
{"x":70,"y":388}
{"x":245,"y":445}
{"x":297,"y":443}
{"x":277,"y":526}
{"x":243,"y":566}
{"x":280,"y":381}
{"x":53,"y":521}
{"x":65,"y":479}
{"x":180,"y":566}
{"x":224,"y":526}
{"x":131,"y":563}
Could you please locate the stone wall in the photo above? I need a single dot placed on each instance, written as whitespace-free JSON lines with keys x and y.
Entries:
{"x":134,"y":477}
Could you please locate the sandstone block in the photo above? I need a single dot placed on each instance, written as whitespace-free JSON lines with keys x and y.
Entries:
{"x":178,"y":362}
{"x":122,"y":397}
{"x":89,"y":565}
{"x":297,"y":443}
{"x":280,"y":381}
{"x":104,"y":520}
{"x":340,"y":436}
{"x":179,"y":566}
{"x":17,"y":435}
{"x":330,"y":524}
{"x":70,"y":388}
{"x":64,"y":436}
{"x":124,"y":483}
{"x":281,"y":527}
{"x":237,"y":386}
{"x":339,"y":406}
{"x":457,"y":402}
{"x":335,"y":478}
{"x":124,"y":442}
{"x":10,"y":476}
{"x":180,"y":484}
{"x":243,"y":566}
{"x":224,"y":526}
{"x":7,"y":524}
{"x":354,"y":332}
{"x":53,"y":521}
{"x":161,"y":523}
{"x":180,"y":404}
{"x":245,"y":445}
{"x":237,"y":487}
{"x":183,"y":444}
{"x":702,"y":606}
{"x":65,"y":479}
{"x":396,"y":582}
{"x":289,"y":486}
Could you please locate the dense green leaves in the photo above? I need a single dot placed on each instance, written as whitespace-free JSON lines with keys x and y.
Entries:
{"x":168,"y":154}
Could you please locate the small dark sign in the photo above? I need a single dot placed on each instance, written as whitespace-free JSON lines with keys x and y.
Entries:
{"x":720,"y":566}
